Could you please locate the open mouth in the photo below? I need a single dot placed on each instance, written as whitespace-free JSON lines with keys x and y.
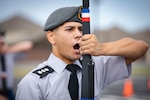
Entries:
{"x":76,"y":46}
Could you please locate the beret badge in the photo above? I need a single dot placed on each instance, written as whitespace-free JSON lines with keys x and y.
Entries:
{"x":79,"y":13}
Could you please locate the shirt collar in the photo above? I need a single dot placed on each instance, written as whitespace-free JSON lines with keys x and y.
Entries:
{"x":57,"y":64}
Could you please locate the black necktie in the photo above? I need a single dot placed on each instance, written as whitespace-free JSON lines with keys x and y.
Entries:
{"x":73,"y":85}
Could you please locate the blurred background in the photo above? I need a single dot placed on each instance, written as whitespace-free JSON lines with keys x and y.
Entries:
{"x":110,"y":20}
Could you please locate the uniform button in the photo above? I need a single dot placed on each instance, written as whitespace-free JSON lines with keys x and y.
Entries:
{"x":46,"y":69}
{"x":39,"y":72}
{"x":43,"y":70}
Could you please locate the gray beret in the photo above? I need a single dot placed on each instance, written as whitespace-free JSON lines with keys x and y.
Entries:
{"x":60,"y":16}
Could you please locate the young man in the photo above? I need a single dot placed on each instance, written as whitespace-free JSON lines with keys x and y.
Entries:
{"x":8,"y":56}
{"x":49,"y":81}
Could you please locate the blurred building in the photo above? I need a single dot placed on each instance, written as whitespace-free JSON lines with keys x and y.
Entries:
{"x":20,"y":28}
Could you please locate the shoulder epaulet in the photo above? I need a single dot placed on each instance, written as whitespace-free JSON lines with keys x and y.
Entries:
{"x":43,"y":71}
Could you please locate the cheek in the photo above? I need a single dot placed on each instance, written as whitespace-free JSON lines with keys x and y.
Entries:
{"x":63,"y":39}
{"x":63,"y":48}
{"x":59,"y":40}
{"x":63,"y":42}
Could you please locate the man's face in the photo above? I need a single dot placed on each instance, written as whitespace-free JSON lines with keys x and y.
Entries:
{"x":66,"y":38}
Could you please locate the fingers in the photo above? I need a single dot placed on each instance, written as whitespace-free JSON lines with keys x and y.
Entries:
{"x":87,"y":44}
{"x":84,"y":42}
{"x":86,"y":37}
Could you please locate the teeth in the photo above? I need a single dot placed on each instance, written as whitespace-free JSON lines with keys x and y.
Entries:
{"x":76,"y":46}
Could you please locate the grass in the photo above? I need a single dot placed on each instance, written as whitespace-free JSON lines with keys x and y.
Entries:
{"x":140,"y":69}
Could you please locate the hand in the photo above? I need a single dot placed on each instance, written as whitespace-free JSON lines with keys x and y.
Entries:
{"x":3,"y":97}
{"x":3,"y":48}
{"x":89,"y":44}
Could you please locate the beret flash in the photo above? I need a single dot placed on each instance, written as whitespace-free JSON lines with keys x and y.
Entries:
{"x":62,"y":15}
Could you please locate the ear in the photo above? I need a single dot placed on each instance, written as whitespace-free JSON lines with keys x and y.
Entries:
{"x":51,"y":37}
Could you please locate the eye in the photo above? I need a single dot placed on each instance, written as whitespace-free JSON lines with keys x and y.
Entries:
{"x":80,"y":29}
{"x":69,"y":29}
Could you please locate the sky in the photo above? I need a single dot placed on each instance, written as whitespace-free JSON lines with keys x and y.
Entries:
{"x":130,"y":15}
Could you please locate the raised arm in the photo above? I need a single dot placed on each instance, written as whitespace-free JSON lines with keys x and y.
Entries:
{"x":129,"y":48}
{"x":21,"y":46}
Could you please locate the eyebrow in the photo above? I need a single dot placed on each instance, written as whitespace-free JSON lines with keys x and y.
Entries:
{"x":72,"y":26}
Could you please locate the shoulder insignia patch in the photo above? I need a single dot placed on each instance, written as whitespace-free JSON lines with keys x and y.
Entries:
{"x":43,"y":71}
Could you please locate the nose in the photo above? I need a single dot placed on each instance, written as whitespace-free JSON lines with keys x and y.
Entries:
{"x":78,"y":34}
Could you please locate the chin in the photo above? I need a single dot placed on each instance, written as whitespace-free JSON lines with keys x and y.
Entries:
{"x":77,"y":57}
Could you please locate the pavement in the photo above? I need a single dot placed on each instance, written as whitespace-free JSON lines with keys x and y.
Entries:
{"x":140,"y":90}
{"x":114,"y":97}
